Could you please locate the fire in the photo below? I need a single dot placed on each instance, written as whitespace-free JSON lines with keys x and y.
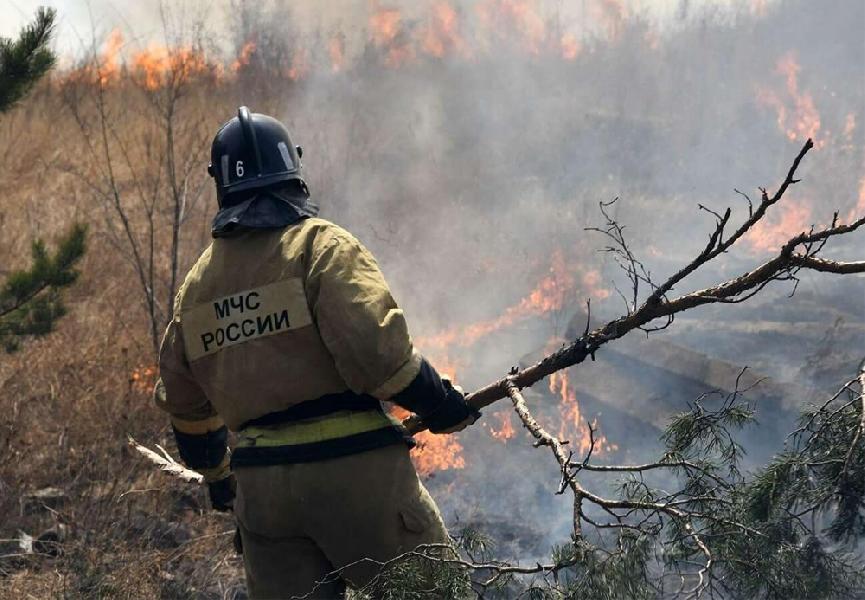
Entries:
{"x":798,"y":117}
{"x":441,"y":34}
{"x":142,"y":379}
{"x":504,"y":430}
{"x":571,"y":47}
{"x":447,"y":29}
{"x":299,"y":67}
{"x":156,"y":66}
{"x":385,"y":25}
{"x":849,"y":126}
{"x":437,"y":453}
{"x":573,"y":427}
{"x":445,"y":364}
{"x":109,"y":62}
{"x":336,"y":52}
{"x":592,"y":287}
{"x":104,"y":68}
{"x":553,"y":292}
{"x":244,"y":57}
{"x":386,"y":29}
{"x":160,"y":66}
{"x":768,"y":235}
{"x":433,"y":452}
{"x":515,"y":15}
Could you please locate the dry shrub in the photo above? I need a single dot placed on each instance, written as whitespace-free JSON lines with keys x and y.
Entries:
{"x":69,"y":400}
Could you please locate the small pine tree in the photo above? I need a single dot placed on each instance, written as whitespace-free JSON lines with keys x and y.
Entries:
{"x":25,"y":60}
{"x":30,"y":300}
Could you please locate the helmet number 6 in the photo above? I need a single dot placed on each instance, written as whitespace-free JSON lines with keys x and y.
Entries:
{"x":238,"y":168}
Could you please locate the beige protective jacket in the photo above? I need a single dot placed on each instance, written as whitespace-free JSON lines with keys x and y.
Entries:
{"x":272,"y":318}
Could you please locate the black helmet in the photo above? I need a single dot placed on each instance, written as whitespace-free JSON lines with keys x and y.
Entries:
{"x":253,"y":151}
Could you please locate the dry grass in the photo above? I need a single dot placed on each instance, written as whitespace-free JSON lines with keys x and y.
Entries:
{"x":69,"y":401}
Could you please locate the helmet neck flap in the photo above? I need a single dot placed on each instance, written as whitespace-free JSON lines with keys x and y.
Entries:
{"x":267,"y":209}
{"x":258,"y":175}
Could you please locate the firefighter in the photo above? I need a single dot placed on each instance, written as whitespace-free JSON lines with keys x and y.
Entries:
{"x":285,"y":333}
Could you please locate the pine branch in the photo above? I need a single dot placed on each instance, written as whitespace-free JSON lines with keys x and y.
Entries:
{"x":30,"y":299}
{"x":25,"y":60}
{"x":719,"y":534}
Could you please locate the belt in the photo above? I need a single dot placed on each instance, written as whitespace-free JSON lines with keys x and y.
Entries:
{"x":337,"y":434}
{"x":337,"y":425}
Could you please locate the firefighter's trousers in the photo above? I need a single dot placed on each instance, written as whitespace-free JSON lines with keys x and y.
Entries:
{"x":310,"y":529}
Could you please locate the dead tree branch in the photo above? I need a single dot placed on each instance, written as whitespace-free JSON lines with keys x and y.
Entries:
{"x":163,"y":460}
{"x":556,"y":447}
{"x":783,"y":267}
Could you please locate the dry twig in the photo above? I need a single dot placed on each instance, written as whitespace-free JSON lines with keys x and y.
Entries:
{"x":166,"y":463}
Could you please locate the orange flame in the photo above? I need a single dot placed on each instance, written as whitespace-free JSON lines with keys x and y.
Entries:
{"x":244,"y":57}
{"x":552,"y":293}
{"x":441,"y":33}
{"x":437,"y":453}
{"x":109,"y":62}
{"x":769,"y":234}
{"x":105,"y":66}
{"x":385,"y":24}
{"x":520,"y":16}
{"x":572,"y":426}
{"x":386,"y":29}
{"x":849,"y":126}
{"x":571,"y":47}
{"x":433,"y":452}
{"x":801,"y":120}
{"x":505,"y":428}
{"x":299,"y":67}
{"x":336,"y":52}
{"x":160,"y":66}
{"x":400,"y":41}
{"x":143,"y":378}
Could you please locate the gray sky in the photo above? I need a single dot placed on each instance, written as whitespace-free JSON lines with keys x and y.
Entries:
{"x":78,"y":18}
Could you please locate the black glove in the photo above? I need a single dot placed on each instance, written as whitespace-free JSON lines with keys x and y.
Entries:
{"x":440,"y":404}
{"x":453,"y":414}
{"x":222,"y":493}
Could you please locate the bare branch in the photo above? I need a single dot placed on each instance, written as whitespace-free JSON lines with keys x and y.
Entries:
{"x":166,"y":463}
{"x":780,"y":268}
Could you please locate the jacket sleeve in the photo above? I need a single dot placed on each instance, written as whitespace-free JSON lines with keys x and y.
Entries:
{"x":358,"y":320}
{"x":202,"y":437}
{"x":367,"y":336}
